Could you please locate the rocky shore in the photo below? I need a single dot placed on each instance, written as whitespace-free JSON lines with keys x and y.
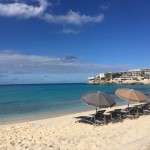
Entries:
{"x":125,"y":82}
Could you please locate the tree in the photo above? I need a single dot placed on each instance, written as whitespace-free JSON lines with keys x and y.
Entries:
{"x":103,"y":78}
{"x":108,"y":76}
{"x":116,"y":75}
{"x":142,"y":74}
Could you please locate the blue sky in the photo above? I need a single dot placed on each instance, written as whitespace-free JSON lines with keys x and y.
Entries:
{"x":53,"y":41}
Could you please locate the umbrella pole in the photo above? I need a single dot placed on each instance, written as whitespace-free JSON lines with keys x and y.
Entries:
{"x":94,"y":117}
{"x":128,"y":105}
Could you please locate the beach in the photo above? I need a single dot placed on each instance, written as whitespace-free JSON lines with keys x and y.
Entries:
{"x":69,"y":72}
{"x":62,"y":133}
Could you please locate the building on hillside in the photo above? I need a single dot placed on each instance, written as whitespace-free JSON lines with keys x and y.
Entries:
{"x":138,"y":72}
{"x":91,"y":78}
{"x":146,"y":72}
{"x":101,"y":75}
{"x":126,"y":75}
{"x":135,"y":73}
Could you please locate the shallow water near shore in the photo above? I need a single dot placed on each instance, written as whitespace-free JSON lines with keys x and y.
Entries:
{"x":30,"y":102}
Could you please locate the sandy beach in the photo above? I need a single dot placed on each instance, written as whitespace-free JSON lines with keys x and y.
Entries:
{"x":62,"y":133}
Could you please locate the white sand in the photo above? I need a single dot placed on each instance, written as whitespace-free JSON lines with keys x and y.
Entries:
{"x":62,"y":133}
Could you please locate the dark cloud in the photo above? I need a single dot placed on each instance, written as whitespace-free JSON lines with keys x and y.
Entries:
{"x":70,"y":58}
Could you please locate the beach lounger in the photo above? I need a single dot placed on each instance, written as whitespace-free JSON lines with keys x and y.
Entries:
{"x":143,"y":109}
{"x":115,"y":116}
{"x":97,"y":119}
{"x":131,"y":112}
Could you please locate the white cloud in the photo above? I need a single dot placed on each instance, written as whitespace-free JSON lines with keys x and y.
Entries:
{"x":73,"y":18}
{"x":104,"y":7}
{"x":70,"y":31}
{"x":22,"y":10}
{"x":13,"y":62}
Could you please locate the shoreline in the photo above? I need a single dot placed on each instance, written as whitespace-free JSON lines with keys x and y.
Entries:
{"x":64,"y":132}
{"x":57,"y":115}
{"x":43,"y":117}
{"x":20,"y":109}
{"x":124,"y":82}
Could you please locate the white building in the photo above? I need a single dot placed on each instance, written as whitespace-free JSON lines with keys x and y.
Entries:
{"x":135,"y":72}
{"x":90,"y":78}
{"x":102,"y":75}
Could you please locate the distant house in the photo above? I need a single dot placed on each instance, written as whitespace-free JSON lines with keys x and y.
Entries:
{"x":91,"y":78}
{"x":134,"y":74}
{"x":102,"y":75}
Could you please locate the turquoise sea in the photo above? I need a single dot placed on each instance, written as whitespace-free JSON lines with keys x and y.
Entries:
{"x":25,"y":102}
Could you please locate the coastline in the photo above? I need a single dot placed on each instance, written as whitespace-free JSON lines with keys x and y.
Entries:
{"x":46,"y":116}
{"x":54,"y":115}
{"x":125,"y":82}
{"x":43,"y":101}
{"x":65,"y":133}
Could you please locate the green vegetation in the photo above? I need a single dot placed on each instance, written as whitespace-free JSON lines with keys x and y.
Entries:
{"x":116,"y":75}
{"x":142,"y":74}
{"x":103,"y":79}
{"x":108,"y":76}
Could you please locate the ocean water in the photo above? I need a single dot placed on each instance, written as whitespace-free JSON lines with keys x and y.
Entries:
{"x":25,"y":102}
